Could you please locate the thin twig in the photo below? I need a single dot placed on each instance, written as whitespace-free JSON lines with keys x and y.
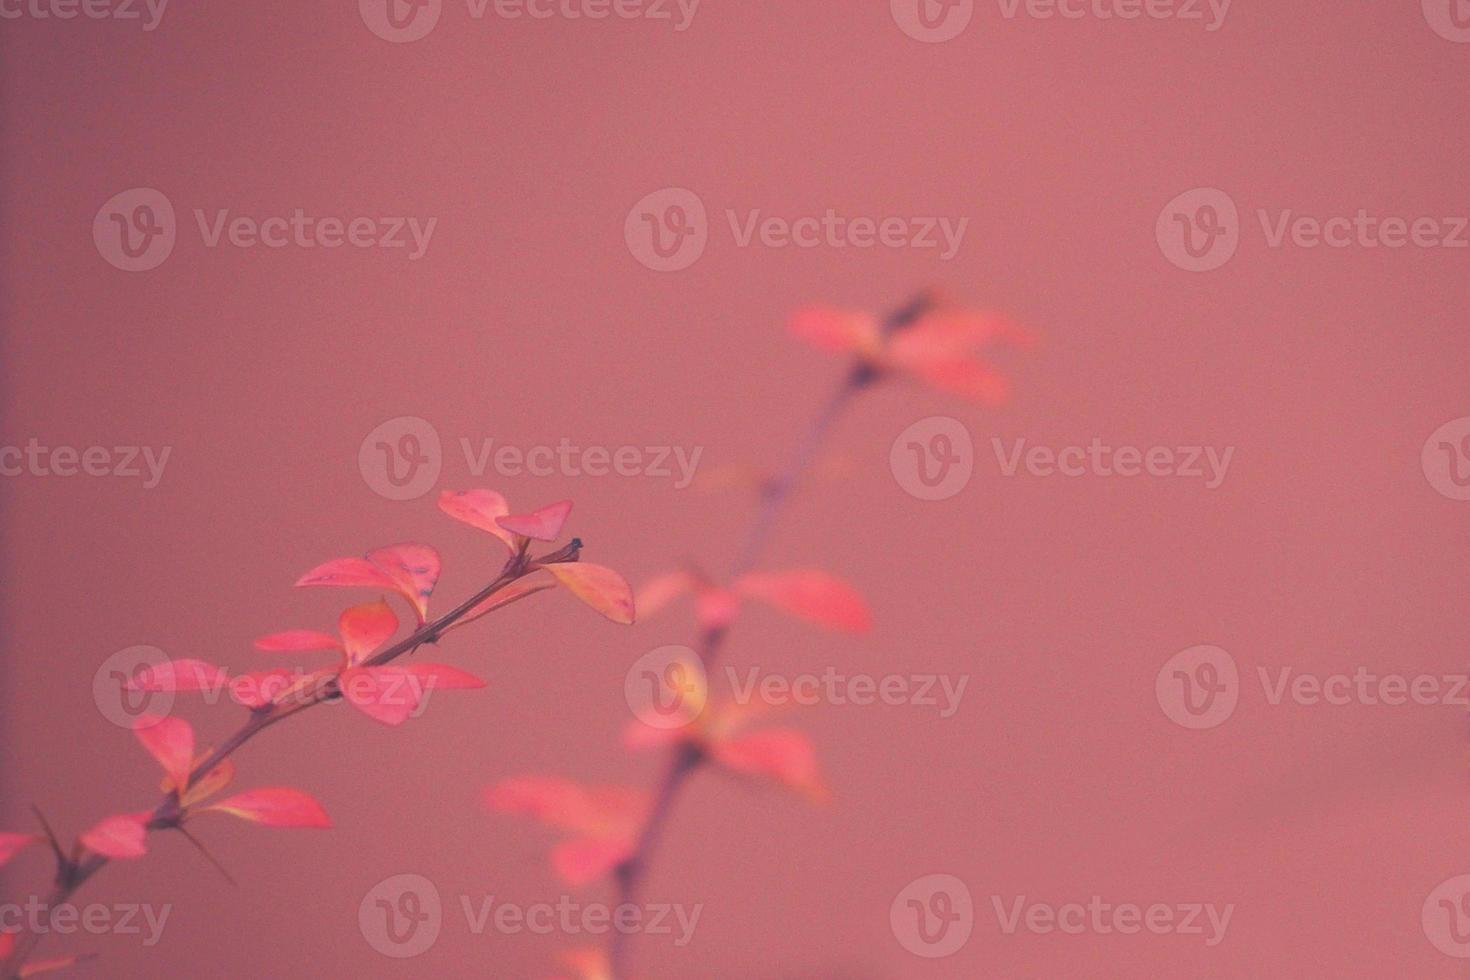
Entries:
{"x":686,"y":757}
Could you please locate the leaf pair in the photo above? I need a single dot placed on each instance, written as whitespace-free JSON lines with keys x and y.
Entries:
{"x":170,"y":741}
{"x":603,"y":820}
{"x":807,"y":593}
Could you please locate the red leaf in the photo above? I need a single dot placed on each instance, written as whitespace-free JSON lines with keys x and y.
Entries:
{"x":585,"y":859}
{"x":37,"y":967}
{"x":603,"y":811}
{"x":349,"y":572}
{"x":661,"y":590}
{"x":366,"y":627}
{"x":171,"y":741}
{"x":121,"y":836}
{"x":543,"y":525}
{"x":415,"y":569}
{"x":811,"y":594}
{"x":601,"y":588}
{"x":440,"y":677}
{"x":478,"y":508}
{"x":12,"y":844}
{"x":178,"y":675}
{"x":275,"y":806}
{"x":297,"y":641}
{"x":386,"y":694}
{"x":837,"y":331}
{"x":502,"y":598}
{"x":782,"y":754}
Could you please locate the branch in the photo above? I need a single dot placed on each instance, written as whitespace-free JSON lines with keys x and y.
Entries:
{"x":75,"y":870}
{"x":687,"y":758}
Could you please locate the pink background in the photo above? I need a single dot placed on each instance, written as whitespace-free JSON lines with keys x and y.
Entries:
{"x":529,"y":321}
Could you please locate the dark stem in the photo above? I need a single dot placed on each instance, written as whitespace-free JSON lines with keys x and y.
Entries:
{"x":687,"y":757}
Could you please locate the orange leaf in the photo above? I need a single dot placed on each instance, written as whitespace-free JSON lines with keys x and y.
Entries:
{"x":210,"y":783}
{"x":171,"y":741}
{"x":543,"y":524}
{"x":811,"y":594}
{"x":661,"y":590}
{"x":601,"y":588}
{"x":121,"y":836}
{"x":275,"y":806}
{"x":478,"y":508}
{"x":366,"y":627}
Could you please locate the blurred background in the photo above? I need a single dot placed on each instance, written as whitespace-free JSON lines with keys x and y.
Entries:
{"x":1079,"y":152}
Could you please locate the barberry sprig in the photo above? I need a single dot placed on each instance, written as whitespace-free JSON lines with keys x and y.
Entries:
{"x":362,"y":676}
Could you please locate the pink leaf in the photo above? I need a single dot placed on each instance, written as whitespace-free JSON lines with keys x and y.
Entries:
{"x":585,"y":859}
{"x":836,"y":331}
{"x":782,"y":754}
{"x":478,"y":508}
{"x":386,"y":694}
{"x":38,"y":967}
{"x":178,"y":675}
{"x":601,"y":588}
{"x":171,"y":741}
{"x":596,"y":810}
{"x":543,"y":525}
{"x":661,"y":590}
{"x":275,"y":806}
{"x":440,"y":677}
{"x":366,"y":627}
{"x":12,"y":844}
{"x":349,"y":572}
{"x":811,"y":594}
{"x":297,"y":641}
{"x":504,"y":597}
{"x":121,"y":836}
{"x":415,"y":569}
